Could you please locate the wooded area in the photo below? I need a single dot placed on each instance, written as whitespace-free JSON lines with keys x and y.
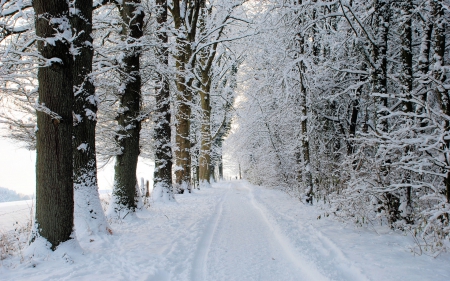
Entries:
{"x":343,"y":103}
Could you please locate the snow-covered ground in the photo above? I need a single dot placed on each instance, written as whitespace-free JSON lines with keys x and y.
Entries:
{"x":233,"y":231}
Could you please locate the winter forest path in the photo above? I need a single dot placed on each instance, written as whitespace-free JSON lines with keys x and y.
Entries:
{"x":242,"y":243}
{"x":233,"y":231}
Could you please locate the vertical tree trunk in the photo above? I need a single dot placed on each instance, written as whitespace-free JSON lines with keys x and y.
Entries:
{"x":205,"y":148}
{"x":379,"y":57}
{"x":424,"y":67}
{"x":352,"y":127}
{"x":306,"y":169}
{"x":220,"y":165}
{"x":125,"y":181}
{"x":186,"y":27}
{"x":88,"y":210}
{"x":163,"y":149}
{"x":440,"y":76}
{"x":54,"y":162}
{"x":406,"y":78}
{"x":182,"y":138}
{"x":240,"y":173}
{"x":382,"y":16}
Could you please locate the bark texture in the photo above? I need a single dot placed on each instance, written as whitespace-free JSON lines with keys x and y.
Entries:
{"x":205,"y":147}
{"x":128,"y":118}
{"x":54,"y":163}
{"x":163,"y":150}
{"x":88,"y":210}
{"x":185,"y":16}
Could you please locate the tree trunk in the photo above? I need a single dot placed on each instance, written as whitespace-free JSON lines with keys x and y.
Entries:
{"x":440,"y":76}
{"x":186,"y":27}
{"x":125,"y":181}
{"x":424,"y":67}
{"x":406,"y":79}
{"x":163,"y":149}
{"x":205,"y":148}
{"x":220,"y":166}
{"x":89,"y":214}
{"x":54,"y":162}
{"x":379,"y":57}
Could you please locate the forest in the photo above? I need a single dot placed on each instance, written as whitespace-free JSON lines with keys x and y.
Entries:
{"x":342,"y":104}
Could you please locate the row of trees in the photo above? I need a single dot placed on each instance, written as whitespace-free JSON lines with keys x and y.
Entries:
{"x":82,"y":80}
{"x":347,"y":103}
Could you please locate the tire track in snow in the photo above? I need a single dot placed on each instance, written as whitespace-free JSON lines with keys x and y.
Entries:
{"x":331,"y":257}
{"x":199,"y":270}
{"x":306,"y":266}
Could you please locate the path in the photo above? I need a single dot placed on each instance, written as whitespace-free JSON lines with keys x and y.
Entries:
{"x":233,"y":231}
{"x":242,"y":244}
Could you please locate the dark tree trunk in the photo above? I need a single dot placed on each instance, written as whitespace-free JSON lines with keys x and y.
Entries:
{"x":379,"y":56}
{"x":130,"y":102}
{"x":352,"y":128}
{"x":88,"y":209}
{"x":439,"y":74}
{"x":163,"y":149}
{"x":406,"y":78}
{"x":220,"y":166}
{"x":54,"y":163}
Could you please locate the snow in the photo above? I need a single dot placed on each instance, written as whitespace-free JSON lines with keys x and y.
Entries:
{"x":14,"y":213}
{"x":232,"y":231}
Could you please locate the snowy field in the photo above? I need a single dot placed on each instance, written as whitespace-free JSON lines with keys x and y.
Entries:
{"x":233,"y":231}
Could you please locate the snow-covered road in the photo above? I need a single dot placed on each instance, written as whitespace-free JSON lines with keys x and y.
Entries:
{"x":233,"y":231}
{"x":241,"y":244}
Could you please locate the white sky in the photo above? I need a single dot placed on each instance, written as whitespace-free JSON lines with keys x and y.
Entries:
{"x":17,"y":169}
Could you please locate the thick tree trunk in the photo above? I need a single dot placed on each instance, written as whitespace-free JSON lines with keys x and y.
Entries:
{"x":54,"y":162}
{"x":186,"y":27}
{"x":163,"y":150}
{"x":128,"y":116}
{"x":182,"y":139}
{"x":89,"y":214}
{"x":205,"y":148}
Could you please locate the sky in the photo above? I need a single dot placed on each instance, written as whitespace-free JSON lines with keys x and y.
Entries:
{"x":17,"y":167}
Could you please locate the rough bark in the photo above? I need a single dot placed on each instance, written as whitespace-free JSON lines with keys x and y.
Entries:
{"x":186,"y":27}
{"x":88,"y":210}
{"x":163,"y":150}
{"x":54,"y":163}
{"x":206,"y":141}
{"x":128,"y":118}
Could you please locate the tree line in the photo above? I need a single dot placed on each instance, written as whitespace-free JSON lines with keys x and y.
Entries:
{"x":347,"y":103}
{"x":85,"y":80}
